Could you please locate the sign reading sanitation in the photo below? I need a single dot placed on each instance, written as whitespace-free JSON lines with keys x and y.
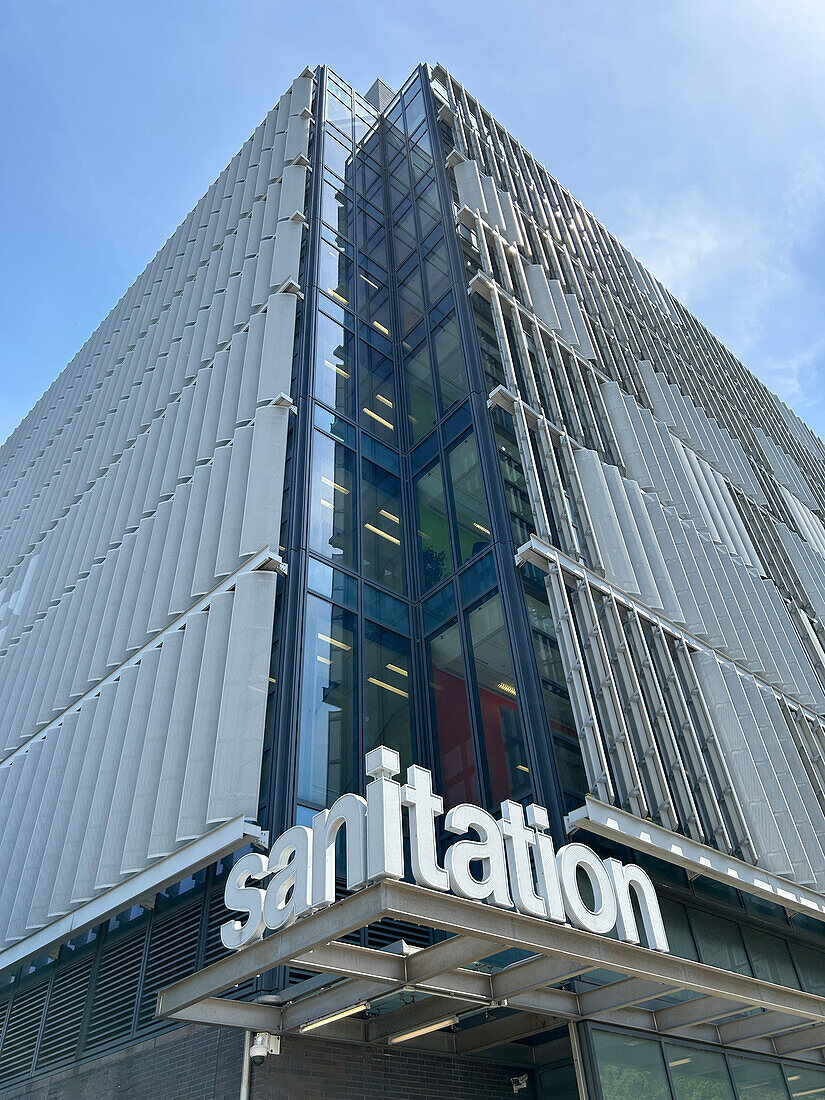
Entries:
{"x":510,"y":863}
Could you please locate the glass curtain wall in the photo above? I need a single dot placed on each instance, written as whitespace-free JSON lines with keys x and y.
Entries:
{"x":629,"y":1066}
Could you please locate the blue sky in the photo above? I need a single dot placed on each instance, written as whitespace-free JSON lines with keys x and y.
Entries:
{"x":694,"y":129}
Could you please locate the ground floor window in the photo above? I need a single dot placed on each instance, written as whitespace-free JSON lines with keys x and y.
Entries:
{"x":630,"y":1066}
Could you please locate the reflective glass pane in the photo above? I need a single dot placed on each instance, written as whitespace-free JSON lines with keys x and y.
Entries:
{"x":339,"y":114}
{"x":698,"y":1074}
{"x":630,"y":1068}
{"x":454,"y":736}
{"x":373,"y":301}
{"x":368,"y":179}
{"x":420,"y":398}
{"x":326,"y":740}
{"x":404,"y":232}
{"x":411,"y":299}
{"x":378,"y":402}
{"x":770,"y":958}
{"x":437,"y":272}
{"x":720,"y":942}
{"x":808,"y":1083}
{"x":335,"y":273}
{"x":372,"y":238}
{"x":679,"y":935}
{"x":505,"y":752}
{"x":435,"y":559}
{"x":332,"y":501}
{"x":468,"y":494}
{"x":382,"y":555}
{"x":413,"y":110}
{"x":335,"y":365}
{"x":336,"y":206}
{"x":387,"y":691}
{"x":451,"y":372}
{"x":420,"y":160}
{"x":337,"y":156}
{"x":762,"y":1080}
{"x":811,"y":967}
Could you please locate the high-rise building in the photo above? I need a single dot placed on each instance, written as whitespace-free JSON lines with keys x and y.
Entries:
{"x":394,"y":456}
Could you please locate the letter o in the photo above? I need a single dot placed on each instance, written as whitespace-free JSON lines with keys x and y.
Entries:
{"x":601,"y":919}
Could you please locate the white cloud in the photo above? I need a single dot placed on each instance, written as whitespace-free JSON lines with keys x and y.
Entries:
{"x":737,"y":269}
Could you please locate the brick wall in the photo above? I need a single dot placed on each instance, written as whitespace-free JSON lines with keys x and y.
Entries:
{"x":311,"y":1070}
{"x":189,"y":1063}
{"x":204,"y":1063}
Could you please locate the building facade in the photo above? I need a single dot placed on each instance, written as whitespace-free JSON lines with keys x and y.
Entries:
{"x":393,"y":444}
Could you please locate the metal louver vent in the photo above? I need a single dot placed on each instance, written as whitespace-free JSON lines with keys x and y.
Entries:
{"x":64,"y":1016}
{"x":218,"y":914}
{"x":390,"y":931}
{"x":113,"y":1006}
{"x":173,"y":953}
{"x":22,"y":1029}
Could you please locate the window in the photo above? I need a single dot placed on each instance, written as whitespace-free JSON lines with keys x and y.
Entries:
{"x":452,"y":719}
{"x":420,"y":398}
{"x":335,"y":271}
{"x":337,"y":156}
{"x":630,"y":1068}
{"x":378,"y":401}
{"x":808,"y":1083}
{"x":435,"y":559}
{"x":382,"y":554}
{"x":720,"y":942}
{"x":387,"y":691}
{"x":373,"y":298}
{"x":336,"y":206}
{"x":756,"y":1078}
{"x":332,"y":502}
{"x":770,"y":957}
{"x":504,"y":748}
{"x":468,"y":494}
{"x":326,"y":737}
{"x":335,"y":365}
{"x":449,"y":360}
{"x":698,"y":1074}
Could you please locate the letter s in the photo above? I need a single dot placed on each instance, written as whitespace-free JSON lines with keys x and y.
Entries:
{"x":246,"y":899}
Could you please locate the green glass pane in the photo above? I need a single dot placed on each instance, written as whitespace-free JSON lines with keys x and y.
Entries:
{"x":336,"y":206}
{"x":757,"y":1079}
{"x":468,"y":494}
{"x":807,"y":1083}
{"x":420,"y":398}
{"x":630,"y":1068}
{"x":435,"y":559}
{"x":449,"y":361}
{"x":326,"y":735}
{"x":770,"y":957}
{"x":720,"y":942}
{"x":387,"y":691}
{"x":698,"y":1074}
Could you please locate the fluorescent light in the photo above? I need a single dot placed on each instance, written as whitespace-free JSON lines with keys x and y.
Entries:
{"x":425,"y":1029}
{"x":387,"y":687}
{"x":336,"y":368}
{"x":398,"y":669}
{"x":377,"y":531}
{"x":366,"y":280}
{"x":334,"y":485}
{"x":380,"y":419}
{"x":362,"y":1006}
{"x":328,"y":504}
{"x":680,"y":1062}
{"x":522,"y":768}
{"x":334,"y":641}
{"x":508,"y":689}
{"x":335,"y":294}
{"x":381,"y":328}
{"x":384,"y":400}
{"x":483,"y":530}
{"x":389,"y":515}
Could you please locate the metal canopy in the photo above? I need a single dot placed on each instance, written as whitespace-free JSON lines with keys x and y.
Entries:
{"x":407,"y":989}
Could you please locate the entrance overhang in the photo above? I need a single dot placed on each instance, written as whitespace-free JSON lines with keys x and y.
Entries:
{"x":696,"y":859}
{"x":401,"y":989}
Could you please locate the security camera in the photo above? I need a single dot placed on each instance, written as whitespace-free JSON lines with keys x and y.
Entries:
{"x":263,"y":1044}
{"x":519,"y":1083}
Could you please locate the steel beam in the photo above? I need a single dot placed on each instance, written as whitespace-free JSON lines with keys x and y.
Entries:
{"x":754,"y":1027}
{"x":222,"y":1012}
{"x":631,"y":991}
{"x":809,"y":1038}
{"x":702,"y":1010}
